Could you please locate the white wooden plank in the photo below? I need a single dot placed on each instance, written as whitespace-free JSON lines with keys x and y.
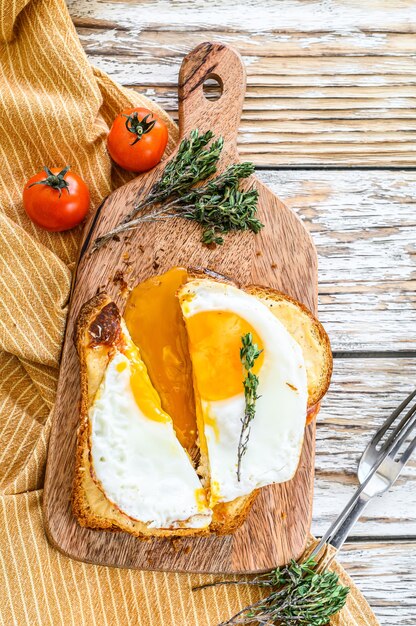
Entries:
{"x":362,"y":395}
{"x":147,"y":69}
{"x":247,"y":15}
{"x":386,"y":574}
{"x":363,"y":224}
{"x":109,"y":38}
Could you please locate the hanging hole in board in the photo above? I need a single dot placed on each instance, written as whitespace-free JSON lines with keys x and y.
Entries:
{"x":213,"y":87}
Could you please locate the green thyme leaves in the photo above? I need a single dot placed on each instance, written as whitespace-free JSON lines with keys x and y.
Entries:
{"x":299,"y":594}
{"x":219,"y":206}
{"x":249,"y":353}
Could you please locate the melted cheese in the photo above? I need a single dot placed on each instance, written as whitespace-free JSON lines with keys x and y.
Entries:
{"x":154,"y":320}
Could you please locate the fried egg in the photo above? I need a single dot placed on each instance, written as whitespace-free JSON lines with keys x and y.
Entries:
{"x":217,"y":315}
{"x":137,"y":459}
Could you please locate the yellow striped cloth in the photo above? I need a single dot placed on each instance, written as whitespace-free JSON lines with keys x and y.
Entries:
{"x":55,"y":110}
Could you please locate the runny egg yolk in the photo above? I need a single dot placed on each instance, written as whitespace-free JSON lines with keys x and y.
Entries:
{"x":214,"y":343}
{"x":154,"y":320}
{"x":145,"y":395}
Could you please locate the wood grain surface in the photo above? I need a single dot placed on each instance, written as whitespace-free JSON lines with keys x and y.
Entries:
{"x":385,"y":572}
{"x":364,"y":228}
{"x":282,"y":256}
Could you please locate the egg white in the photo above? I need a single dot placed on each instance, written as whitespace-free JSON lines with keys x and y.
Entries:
{"x":138,"y":462}
{"x":277,"y":430}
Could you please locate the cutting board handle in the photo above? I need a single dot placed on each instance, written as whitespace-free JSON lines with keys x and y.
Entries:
{"x":222,"y":116}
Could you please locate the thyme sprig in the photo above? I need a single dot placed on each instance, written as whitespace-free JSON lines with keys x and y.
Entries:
{"x":192,"y":164}
{"x":301,"y":595}
{"x":249,"y":352}
{"x":218,"y":206}
{"x":235,"y":210}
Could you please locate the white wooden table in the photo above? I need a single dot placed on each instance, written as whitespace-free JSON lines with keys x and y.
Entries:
{"x":330,"y":121}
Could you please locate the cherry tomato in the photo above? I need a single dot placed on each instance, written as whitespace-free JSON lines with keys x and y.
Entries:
{"x":56,"y":199}
{"x":137,"y":140}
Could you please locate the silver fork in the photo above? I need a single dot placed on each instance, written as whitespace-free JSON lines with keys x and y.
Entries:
{"x":379,"y":467}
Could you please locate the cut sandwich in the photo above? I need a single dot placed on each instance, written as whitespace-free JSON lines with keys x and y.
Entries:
{"x":173,"y":413}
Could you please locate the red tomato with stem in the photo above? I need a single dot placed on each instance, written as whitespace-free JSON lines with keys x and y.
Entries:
{"x":56,"y":199}
{"x":137,"y":140}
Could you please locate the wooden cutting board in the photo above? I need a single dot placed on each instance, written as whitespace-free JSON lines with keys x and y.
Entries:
{"x":281,"y":256}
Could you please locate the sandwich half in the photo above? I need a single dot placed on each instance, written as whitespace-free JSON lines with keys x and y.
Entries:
{"x":159,"y":442}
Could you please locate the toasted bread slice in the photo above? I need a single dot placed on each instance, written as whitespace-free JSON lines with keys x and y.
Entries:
{"x":99,"y":333}
{"x":314,"y":343}
{"x":100,"y":330}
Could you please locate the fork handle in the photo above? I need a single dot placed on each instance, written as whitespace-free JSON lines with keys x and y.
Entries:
{"x":339,"y":536}
{"x":340,"y":529}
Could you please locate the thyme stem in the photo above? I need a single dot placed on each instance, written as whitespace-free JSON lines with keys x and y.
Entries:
{"x":192,"y":164}
{"x":218,"y":206}
{"x":249,"y":352}
{"x":301,"y":596}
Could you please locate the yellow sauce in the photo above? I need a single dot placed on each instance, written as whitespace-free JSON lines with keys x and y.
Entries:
{"x":201,"y":498}
{"x":215,"y":493}
{"x":154,"y":319}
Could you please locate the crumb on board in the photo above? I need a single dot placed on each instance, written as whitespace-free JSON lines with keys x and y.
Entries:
{"x":118,"y":279}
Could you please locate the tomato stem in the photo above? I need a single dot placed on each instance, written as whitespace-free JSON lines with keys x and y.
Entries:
{"x":138,"y":127}
{"x":56,"y":181}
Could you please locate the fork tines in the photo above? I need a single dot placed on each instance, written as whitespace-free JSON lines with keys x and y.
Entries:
{"x":392,"y":445}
